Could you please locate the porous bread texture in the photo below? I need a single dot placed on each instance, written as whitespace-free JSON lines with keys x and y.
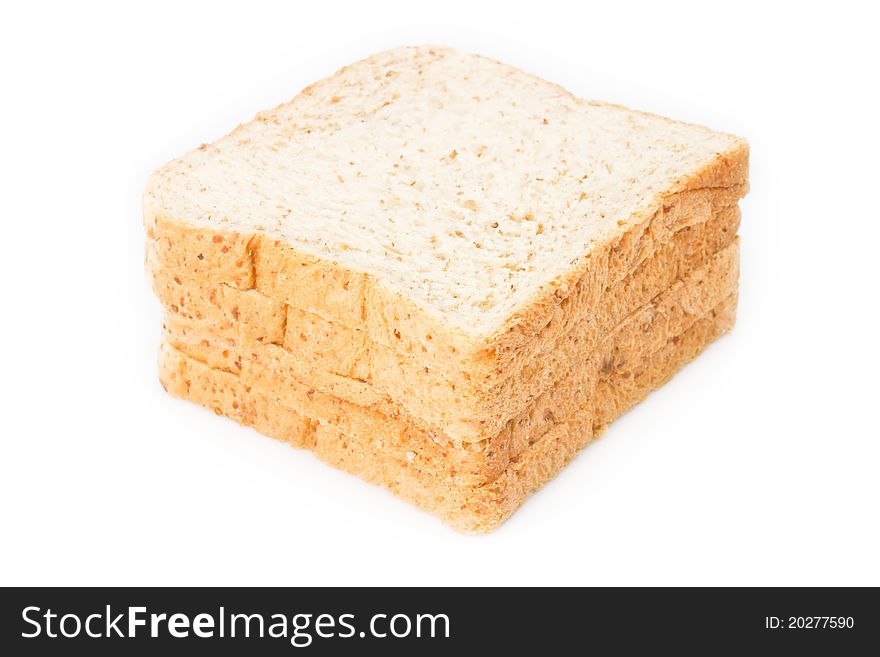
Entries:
{"x":356,"y":410}
{"x":467,"y":507}
{"x":435,"y":198}
{"x":466,"y":405}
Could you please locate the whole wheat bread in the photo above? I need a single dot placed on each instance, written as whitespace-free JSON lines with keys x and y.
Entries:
{"x":454,"y":245}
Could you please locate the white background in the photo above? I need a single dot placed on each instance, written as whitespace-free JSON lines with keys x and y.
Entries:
{"x":758,"y":464}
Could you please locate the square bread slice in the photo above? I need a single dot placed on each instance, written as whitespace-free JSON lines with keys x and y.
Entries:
{"x":448,"y":242}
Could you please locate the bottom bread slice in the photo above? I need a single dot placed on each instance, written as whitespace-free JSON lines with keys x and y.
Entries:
{"x":275,"y":373}
{"x":466,"y":507}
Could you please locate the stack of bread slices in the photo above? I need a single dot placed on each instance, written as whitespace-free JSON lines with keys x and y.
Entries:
{"x":442,"y":274}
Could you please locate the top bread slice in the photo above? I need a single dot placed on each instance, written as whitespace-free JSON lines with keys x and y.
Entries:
{"x":452,"y":207}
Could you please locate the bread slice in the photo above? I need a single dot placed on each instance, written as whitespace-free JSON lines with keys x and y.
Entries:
{"x":459,"y":211}
{"x":274,"y":371}
{"x":371,"y":447}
